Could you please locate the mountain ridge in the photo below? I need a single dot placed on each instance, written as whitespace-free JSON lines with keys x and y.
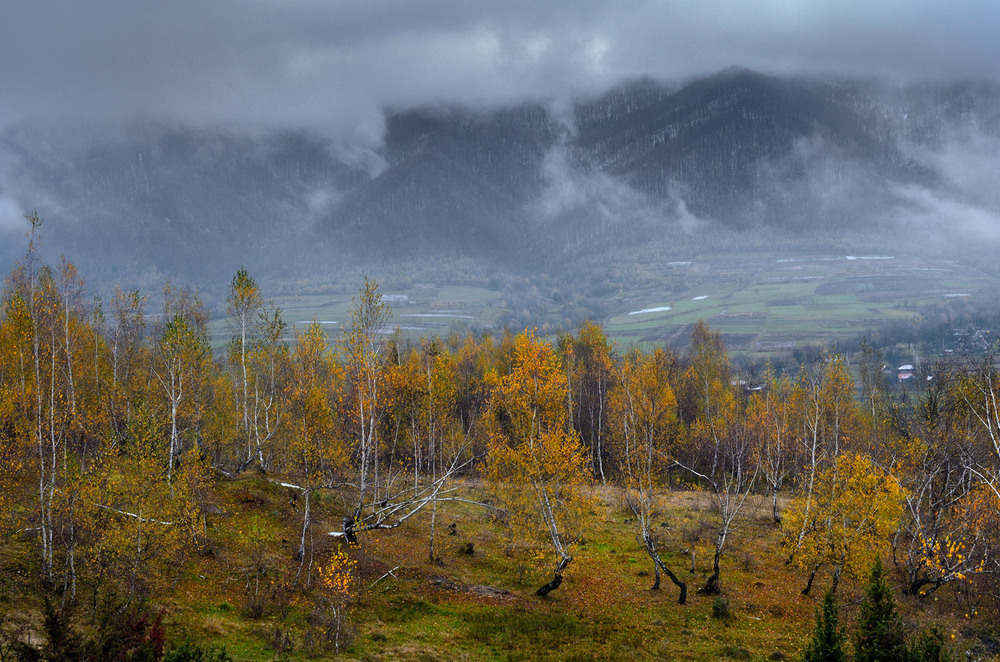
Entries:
{"x":521,"y":187}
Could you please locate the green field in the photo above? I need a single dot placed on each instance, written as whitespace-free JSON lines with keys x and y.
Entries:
{"x":764,"y":304}
{"x":417,"y":312}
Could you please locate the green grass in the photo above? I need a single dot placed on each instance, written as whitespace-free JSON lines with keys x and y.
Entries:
{"x":604,"y":609}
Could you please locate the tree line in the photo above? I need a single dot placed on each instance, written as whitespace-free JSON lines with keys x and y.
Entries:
{"x":115,"y":423}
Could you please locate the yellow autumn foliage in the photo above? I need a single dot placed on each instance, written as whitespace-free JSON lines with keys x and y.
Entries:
{"x":536,"y":463}
{"x":855,"y":509}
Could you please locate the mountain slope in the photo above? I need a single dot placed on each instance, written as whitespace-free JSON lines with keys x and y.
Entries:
{"x":518,"y":187}
{"x":454,"y":181}
{"x":730,"y":145}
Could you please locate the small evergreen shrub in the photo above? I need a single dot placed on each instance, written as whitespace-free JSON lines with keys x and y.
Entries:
{"x":929,"y":647}
{"x":188,"y":652}
{"x":827,"y":643}
{"x":879,"y":636}
{"x":721,"y":608}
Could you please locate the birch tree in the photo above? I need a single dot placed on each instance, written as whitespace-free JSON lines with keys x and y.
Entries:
{"x":536,"y":462}
{"x":178,"y":358}
{"x":127,"y":356}
{"x":36,"y":318}
{"x":770,"y":413}
{"x":644,"y":412}
{"x":383,"y":497}
{"x":243,"y":300}
{"x":362,"y":347}
{"x":825,"y":415}
{"x":588,"y":365}
{"x":978,"y":389}
{"x":730,"y":473}
{"x":317,"y":453}
{"x":256,"y":358}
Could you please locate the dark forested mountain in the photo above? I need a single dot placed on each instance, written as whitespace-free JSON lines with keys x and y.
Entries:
{"x":453,"y":180}
{"x":731,"y":146}
{"x":523,"y":187}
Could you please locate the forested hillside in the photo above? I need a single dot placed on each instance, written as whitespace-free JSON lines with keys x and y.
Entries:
{"x":489,"y":497}
{"x":528,"y":188}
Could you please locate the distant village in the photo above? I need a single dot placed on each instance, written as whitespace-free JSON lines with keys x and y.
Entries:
{"x":965,"y":341}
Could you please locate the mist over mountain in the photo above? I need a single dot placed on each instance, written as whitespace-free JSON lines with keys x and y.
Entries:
{"x":527,"y":188}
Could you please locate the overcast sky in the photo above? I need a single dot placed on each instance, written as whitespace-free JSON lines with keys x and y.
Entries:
{"x":333,"y":64}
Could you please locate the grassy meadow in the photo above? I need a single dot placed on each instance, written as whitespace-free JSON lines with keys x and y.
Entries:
{"x":478,"y":602}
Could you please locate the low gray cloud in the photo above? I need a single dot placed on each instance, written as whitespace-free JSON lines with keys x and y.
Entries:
{"x":969,"y":164}
{"x":965,"y":208}
{"x":945,"y":220}
{"x":11,"y":216}
{"x":601,"y":203}
{"x":335,"y":66}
